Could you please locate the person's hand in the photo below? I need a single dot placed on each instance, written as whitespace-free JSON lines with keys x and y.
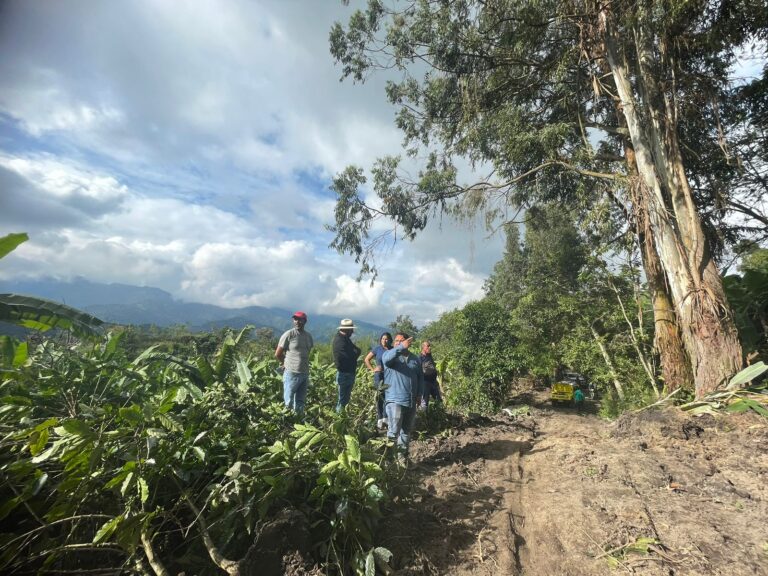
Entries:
{"x":407,"y":343}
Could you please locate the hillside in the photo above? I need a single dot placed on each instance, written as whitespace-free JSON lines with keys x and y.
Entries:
{"x":138,"y":305}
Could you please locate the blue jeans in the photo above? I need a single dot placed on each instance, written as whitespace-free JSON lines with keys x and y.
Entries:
{"x":295,"y":390}
{"x":345,"y":381}
{"x":400,"y":421}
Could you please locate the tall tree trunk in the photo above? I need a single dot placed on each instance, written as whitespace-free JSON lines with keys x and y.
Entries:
{"x":708,"y":331}
{"x":667,"y":341}
{"x":608,"y":362}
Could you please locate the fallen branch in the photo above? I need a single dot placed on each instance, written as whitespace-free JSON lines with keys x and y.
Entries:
{"x":659,"y":402}
{"x":231,"y":567}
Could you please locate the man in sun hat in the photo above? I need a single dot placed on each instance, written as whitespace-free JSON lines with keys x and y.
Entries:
{"x":345,"y":355}
{"x":293,"y":354}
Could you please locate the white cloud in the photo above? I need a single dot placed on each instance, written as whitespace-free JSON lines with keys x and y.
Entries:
{"x":431,"y":288}
{"x":250,"y":275}
{"x":354,"y":298}
{"x":65,"y":180}
{"x":191,"y":147}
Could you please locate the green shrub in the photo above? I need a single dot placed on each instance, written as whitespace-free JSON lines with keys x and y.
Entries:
{"x":107,"y":452}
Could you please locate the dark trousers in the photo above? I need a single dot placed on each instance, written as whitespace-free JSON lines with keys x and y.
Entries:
{"x":378,"y":383}
{"x":431,"y":390}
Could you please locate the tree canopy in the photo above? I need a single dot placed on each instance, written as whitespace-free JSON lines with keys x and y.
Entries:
{"x":611,"y":109}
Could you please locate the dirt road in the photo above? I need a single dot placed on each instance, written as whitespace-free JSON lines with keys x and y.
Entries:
{"x":563,"y":493}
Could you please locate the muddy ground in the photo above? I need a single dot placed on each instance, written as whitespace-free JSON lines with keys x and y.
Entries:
{"x":559,"y":492}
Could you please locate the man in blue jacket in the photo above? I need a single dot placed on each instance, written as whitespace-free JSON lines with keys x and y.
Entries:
{"x":404,"y":383}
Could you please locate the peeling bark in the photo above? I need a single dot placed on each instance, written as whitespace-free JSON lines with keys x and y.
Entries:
{"x":667,"y":341}
{"x":707,"y":328}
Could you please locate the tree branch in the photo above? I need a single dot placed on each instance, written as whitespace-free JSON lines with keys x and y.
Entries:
{"x":617,"y":130}
{"x":156,"y":564}
{"x":739,"y":207}
{"x":231,"y":567}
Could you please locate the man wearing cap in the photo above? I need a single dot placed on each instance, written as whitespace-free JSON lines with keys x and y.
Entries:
{"x":293,"y":354}
{"x":345,"y":355}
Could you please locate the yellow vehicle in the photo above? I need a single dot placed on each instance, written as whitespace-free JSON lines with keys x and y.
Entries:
{"x":562,"y":392}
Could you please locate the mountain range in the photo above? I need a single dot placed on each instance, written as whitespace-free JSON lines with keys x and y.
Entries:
{"x":138,"y":305}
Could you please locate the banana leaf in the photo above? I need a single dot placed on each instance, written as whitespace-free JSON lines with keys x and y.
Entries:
{"x":41,"y":314}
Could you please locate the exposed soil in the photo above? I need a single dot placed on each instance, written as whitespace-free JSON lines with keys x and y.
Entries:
{"x":565,"y":493}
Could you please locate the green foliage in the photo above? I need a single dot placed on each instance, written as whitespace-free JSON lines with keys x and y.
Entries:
{"x":522,"y":88}
{"x":636,"y":396}
{"x":479,"y":360}
{"x":404,"y":325}
{"x":41,"y":314}
{"x":546,"y":308}
{"x":10,"y":242}
{"x":441,"y":331}
{"x":527,"y":92}
{"x":737,"y":397}
{"x":506,"y":284}
{"x":748,"y":295}
{"x":549,"y":307}
{"x":102,"y":451}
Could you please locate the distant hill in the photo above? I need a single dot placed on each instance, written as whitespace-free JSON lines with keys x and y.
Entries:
{"x":137,"y":305}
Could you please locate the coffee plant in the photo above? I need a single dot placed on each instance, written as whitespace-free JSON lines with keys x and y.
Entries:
{"x":161,"y":464}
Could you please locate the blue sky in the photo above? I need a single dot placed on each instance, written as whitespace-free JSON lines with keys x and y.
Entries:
{"x":190,"y":146}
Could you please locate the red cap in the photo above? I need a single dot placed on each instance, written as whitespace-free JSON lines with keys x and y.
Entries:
{"x":300,"y":315}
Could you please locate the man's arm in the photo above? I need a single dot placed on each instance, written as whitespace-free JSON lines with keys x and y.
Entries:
{"x":282,"y":344}
{"x":337,"y":350}
{"x":388,"y":358}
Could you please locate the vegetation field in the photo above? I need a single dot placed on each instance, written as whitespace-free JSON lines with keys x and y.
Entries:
{"x":117,"y":464}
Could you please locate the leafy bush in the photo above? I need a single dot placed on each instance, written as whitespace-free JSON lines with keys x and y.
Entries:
{"x":479,"y":361}
{"x":177,"y":462}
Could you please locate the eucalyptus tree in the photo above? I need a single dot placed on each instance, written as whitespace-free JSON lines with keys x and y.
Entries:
{"x":567,"y":101}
